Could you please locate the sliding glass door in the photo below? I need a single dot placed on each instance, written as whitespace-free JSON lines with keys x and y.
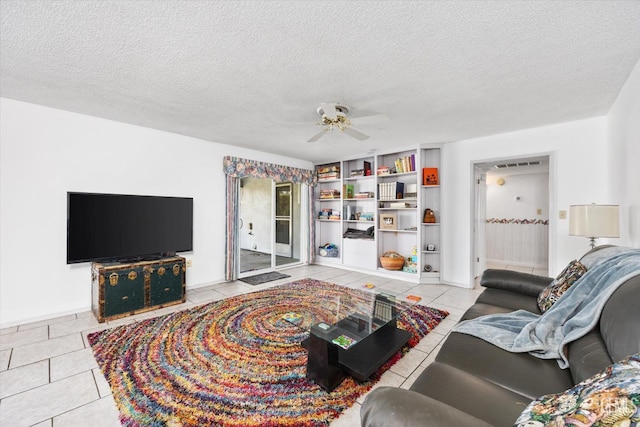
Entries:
{"x":269,"y":225}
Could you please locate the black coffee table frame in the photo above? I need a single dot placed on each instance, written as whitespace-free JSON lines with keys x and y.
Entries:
{"x":328,"y":364}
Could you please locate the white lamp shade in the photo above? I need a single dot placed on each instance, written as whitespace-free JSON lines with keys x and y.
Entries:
{"x":594,"y":220}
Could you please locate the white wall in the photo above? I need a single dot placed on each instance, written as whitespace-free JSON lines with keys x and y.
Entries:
{"x":578,"y":174}
{"x":46,"y":152}
{"x":624,"y":146}
{"x":521,"y":196}
{"x":531,"y":189}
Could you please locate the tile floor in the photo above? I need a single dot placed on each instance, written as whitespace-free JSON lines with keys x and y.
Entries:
{"x":530,"y":270}
{"x":49,"y":378}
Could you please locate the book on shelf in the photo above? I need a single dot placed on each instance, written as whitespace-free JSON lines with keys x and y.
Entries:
{"x":405,"y":164}
{"x":347,"y":191}
{"x":398,"y":205}
{"x":367,"y":168}
{"x":329,"y":214}
{"x":328,"y":169}
{"x":411,"y":190}
{"x":329,"y":194}
{"x":364,"y":195}
{"x":410,"y":267}
{"x":384,"y":170}
{"x":328,"y":175}
{"x":391,"y":190}
{"x":366,"y":216}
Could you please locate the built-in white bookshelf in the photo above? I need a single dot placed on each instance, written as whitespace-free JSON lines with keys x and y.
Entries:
{"x":382,"y":199}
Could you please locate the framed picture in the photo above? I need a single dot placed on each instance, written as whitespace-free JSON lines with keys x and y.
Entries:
{"x":388,"y":221}
{"x":430,"y":176}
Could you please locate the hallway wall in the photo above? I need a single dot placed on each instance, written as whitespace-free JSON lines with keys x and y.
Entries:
{"x":517,"y":212}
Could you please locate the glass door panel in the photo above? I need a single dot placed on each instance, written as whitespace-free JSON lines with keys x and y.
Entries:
{"x":283,"y":220}
{"x":269,"y":225}
{"x":255,"y":226}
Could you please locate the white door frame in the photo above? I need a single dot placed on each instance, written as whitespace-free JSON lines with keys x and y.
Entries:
{"x":296,"y":236}
{"x":284,"y":248}
{"x":271,"y":232}
{"x":479,"y":222}
{"x":478,"y":236}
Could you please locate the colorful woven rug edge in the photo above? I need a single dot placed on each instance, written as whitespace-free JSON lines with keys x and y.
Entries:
{"x":233,"y":362}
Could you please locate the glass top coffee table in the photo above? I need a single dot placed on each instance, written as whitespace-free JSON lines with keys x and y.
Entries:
{"x":355,"y":336}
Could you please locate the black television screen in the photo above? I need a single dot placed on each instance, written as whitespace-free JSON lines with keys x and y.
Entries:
{"x":104,"y":227}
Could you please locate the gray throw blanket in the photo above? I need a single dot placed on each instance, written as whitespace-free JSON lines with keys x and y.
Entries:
{"x":575,"y":314}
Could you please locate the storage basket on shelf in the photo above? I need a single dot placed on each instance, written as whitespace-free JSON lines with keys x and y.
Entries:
{"x":392,"y":260}
{"x":328,"y":250}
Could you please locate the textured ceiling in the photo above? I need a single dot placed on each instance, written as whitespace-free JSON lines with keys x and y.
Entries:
{"x":253,"y":73}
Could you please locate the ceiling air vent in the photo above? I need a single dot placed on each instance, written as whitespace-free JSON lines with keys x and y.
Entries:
{"x":519,"y":164}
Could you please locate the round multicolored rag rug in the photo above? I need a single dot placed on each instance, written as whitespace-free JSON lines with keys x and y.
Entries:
{"x":234,"y":362}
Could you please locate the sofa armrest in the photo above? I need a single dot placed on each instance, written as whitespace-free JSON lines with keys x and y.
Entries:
{"x":397,"y":407}
{"x":515,"y":281}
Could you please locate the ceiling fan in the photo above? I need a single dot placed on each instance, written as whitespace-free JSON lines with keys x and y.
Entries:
{"x":335,"y":116}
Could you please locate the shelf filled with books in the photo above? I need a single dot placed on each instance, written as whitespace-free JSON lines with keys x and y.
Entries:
{"x":397,"y":207}
{"x":380,"y":203}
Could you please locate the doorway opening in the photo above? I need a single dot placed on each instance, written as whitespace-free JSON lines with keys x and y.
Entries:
{"x":269,"y":225}
{"x":511,"y":215}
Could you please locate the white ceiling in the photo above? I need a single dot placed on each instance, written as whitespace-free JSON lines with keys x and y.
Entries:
{"x":252,"y":73}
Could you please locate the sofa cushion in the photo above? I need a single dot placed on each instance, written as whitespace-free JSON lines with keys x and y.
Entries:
{"x":610,"y":397}
{"x":511,"y":301}
{"x":480,"y":309}
{"x":599,"y":254}
{"x":514,"y":281}
{"x":559,"y":286}
{"x":620,"y":319}
{"x":396,"y":407}
{"x":468,"y":393}
{"x":587,"y":356}
{"x":518,"y":372}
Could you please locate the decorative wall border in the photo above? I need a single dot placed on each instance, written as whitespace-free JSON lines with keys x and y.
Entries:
{"x":517,"y":221}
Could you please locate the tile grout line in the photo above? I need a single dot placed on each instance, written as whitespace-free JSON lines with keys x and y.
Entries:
{"x":405,"y":378}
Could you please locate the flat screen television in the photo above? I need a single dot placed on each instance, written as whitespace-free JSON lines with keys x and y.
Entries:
{"x":118,"y":227}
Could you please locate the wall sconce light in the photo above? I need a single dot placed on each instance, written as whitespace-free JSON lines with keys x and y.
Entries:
{"x":594,"y":221}
{"x":500,"y":181}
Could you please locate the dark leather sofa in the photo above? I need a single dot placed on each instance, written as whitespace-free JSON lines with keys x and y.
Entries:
{"x":473,"y":383}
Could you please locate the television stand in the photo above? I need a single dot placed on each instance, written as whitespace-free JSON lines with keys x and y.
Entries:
{"x":134,"y":259}
{"x":123,"y":289}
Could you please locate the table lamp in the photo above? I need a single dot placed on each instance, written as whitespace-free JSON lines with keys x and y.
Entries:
{"x":594,"y":221}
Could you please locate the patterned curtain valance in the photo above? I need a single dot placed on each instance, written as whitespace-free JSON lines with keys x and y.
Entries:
{"x":240,"y":168}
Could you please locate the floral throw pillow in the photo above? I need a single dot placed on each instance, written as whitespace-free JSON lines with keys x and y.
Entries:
{"x":609,"y":398}
{"x":559,"y":286}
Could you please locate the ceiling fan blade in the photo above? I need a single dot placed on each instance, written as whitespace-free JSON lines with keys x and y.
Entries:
{"x":355,"y":134}
{"x":317,"y":136}
{"x":375,"y":119}
{"x":329,"y":110}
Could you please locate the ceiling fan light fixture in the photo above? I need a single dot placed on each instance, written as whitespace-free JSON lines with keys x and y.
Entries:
{"x":340,"y":108}
{"x":335,"y":116}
